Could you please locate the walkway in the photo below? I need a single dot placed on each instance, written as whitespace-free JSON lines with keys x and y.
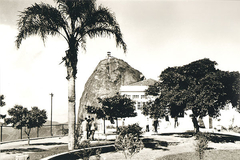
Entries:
{"x":184,"y":145}
{"x":34,"y":144}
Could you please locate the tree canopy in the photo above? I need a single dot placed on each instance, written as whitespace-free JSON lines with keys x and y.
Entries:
{"x":22,"y":117}
{"x":117,"y":106}
{"x":2,"y":103}
{"x":198,"y":86}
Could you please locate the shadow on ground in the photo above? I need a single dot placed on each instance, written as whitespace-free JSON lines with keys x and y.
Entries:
{"x":187,"y":134}
{"x":157,"y":144}
{"x":221,"y":138}
{"x":213,"y":137}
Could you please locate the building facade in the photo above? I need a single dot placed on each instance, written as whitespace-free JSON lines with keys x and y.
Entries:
{"x":228,"y":118}
{"x":136,"y":91}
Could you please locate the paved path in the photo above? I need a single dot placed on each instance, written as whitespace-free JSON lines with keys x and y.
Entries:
{"x":36,"y":143}
{"x":43,"y":143}
{"x":184,"y":145}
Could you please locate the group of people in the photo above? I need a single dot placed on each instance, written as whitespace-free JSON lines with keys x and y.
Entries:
{"x":89,"y":127}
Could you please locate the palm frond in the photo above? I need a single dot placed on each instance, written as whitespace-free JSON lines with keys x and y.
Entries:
{"x":76,"y":8}
{"x":101,"y":23}
{"x":75,"y":11}
{"x":83,"y":42}
{"x":39,"y":19}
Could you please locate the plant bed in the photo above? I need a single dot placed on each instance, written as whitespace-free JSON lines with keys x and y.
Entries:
{"x":61,"y":149}
{"x":80,"y":153}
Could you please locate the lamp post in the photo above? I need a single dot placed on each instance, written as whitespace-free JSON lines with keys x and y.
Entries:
{"x":51,"y":112}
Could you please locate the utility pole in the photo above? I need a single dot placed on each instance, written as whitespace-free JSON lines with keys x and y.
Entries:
{"x":51,"y":113}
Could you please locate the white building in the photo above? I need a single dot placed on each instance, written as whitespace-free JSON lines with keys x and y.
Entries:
{"x":136,"y":91}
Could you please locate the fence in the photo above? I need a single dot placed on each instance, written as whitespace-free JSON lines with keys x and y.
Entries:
{"x":9,"y":133}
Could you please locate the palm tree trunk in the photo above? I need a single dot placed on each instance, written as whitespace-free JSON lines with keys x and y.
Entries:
{"x":71,"y":113}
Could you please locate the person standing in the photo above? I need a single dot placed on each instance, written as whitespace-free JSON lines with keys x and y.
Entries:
{"x":92,"y":129}
{"x":88,"y":127}
{"x":175,"y":121}
{"x":123,"y":122}
{"x":84,"y":129}
{"x":155,"y":124}
{"x":147,"y":125}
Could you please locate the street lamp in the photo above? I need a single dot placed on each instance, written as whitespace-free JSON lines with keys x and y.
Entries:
{"x":51,"y":94}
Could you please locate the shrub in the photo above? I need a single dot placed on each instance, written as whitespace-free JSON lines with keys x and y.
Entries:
{"x":235,"y":129}
{"x":110,"y":127}
{"x":129,"y":144}
{"x":134,"y":129}
{"x":85,"y":144}
{"x":202,"y":144}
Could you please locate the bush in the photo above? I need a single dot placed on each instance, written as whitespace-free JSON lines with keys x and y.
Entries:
{"x":129,"y":144}
{"x":235,"y":129}
{"x":110,"y":127}
{"x":85,"y":145}
{"x":202,"y":144}
{"x":134,"y":129}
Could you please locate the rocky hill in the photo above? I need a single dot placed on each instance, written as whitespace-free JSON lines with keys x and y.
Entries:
{"x":105,"y":81}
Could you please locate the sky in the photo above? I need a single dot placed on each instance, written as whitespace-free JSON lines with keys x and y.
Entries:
{"x":158,"y":34}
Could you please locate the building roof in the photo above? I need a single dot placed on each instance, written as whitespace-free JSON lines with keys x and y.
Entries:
{"x":145,"y":82}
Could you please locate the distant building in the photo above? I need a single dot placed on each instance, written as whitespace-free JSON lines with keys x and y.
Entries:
{"x":136,"y":91}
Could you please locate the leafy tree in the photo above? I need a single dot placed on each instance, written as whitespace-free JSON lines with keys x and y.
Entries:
{"x":118,"y":106}
{"x":75,"y":21}
{"x":2,"y":103}
{"x":155,"y":109}
{"x":22,"y":117}
{"x":198,"y":86}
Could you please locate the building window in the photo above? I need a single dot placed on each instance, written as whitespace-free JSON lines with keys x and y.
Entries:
{"x":138,"y":105}
{"x":128,"y":96}
{"x":135,"y":96}
{"x":144,"y":103}
{"x":143,"y":97}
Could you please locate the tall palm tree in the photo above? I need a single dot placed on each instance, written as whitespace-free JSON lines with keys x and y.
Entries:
{"x":75,"y":21}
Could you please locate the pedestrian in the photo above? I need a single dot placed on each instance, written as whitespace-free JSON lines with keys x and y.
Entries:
{"x":92,"y":129}
{"x":88,"y":126}
{"x":84,"y":129}
{"x":147,"y":126}
{"x":155,"y":124}
{"x":123,"y":122}
{"x":175,"y":121}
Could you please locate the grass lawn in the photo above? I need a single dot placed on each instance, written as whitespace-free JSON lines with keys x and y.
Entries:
{"x":209,"y":155}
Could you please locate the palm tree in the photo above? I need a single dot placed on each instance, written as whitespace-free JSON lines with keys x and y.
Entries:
{"x":75,"y":21}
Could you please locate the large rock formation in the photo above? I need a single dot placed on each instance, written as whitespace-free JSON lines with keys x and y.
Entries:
{"x":105,"y":81}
